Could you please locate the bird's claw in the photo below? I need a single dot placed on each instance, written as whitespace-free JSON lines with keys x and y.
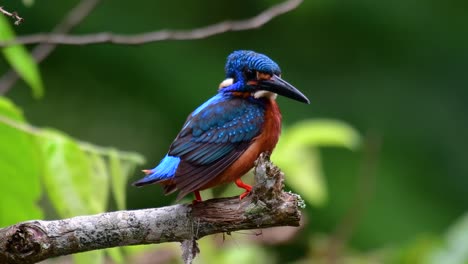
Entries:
{"x":244,"y":186}
{"x":243,"y":195}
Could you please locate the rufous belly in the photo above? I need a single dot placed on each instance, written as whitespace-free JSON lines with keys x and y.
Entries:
{"x":265,"y":141}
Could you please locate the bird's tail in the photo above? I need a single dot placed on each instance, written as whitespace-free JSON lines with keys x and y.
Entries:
{"x":164,"y":171}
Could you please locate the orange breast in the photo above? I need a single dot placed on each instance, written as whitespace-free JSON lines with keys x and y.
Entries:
{"x":266,"y":141}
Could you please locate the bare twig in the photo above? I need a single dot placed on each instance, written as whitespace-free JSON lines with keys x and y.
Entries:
{"x":197,"y":33}
{"x":40,"y":52}
{"x":19,"y":126}
{"x":49,"y":41}
{"x":266,"y":206}
{"x":14,"y":15}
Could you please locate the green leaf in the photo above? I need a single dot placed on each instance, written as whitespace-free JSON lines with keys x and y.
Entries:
{"x":243,"y":252}
{"x":99,"y":182}
{"x":119,"y":179}
{"x":28,"y":3}
{"x":20,"y":59}
{"x":116,"y":255}
{"x":455,"y":250}
{"x":298,"y":156}
{"x":68,"y":175}
{"x":323,"y":132}
{"x":303,"y":173}
{"x":19,"y":169}
{"x":91,"y":257}
{"x":416,"y":251}
{"x":122,"y":165}
{"x":141,"y":249}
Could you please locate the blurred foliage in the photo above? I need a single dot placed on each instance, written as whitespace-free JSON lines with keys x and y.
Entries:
{"x":20,"y":170}
{"x":75,"y":175}
{"x":20,"y":59}
{"x":454,"y":248}
{"x":297,"y":154}
{"x":242,"y":252}
{"x":28,"y":2}
{"x":396,"y":68}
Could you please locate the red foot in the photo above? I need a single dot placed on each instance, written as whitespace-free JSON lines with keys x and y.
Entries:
{"x":244,"y":186}
{"x":197,"y":197}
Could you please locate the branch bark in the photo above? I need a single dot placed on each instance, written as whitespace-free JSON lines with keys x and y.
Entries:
{"x":266,"y":206}
{"x":148,"y":37}
{"x":49,"y":41}
{"x":14,"y":15}
{"x":41,"y":51}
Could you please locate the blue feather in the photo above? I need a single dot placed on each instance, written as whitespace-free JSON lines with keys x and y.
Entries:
{"x":217,"y":127}
{"x":219,"y":131}
{"x":241,"y":59}
{"x":215,"y":99}
{"x":164,"y":171}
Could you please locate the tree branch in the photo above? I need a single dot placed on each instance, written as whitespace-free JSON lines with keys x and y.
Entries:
{"x":14,"y":15}
{"x":266,"y":206}
{"x":48,"y":42}
{"x":197,"y":33}
{"x":40,"y":52}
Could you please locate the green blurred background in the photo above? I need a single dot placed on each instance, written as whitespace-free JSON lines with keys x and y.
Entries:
{"x":394,"y":68}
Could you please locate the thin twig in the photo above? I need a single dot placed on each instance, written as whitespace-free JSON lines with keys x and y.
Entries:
{"x":49,"y":41}
{"x":19,"y":126}
{"x":40,"y":52}
{"x":14,"y":15}
{"x":149,"y":37}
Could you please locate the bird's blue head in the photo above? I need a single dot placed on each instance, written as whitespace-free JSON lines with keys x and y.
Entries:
{"x":256,"y":74}
{"x":241,"y":61}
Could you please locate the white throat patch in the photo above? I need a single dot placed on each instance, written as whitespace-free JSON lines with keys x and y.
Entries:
{"x":263,"y":93}
{"x":226,"y":83}
{"x":258,"y":94}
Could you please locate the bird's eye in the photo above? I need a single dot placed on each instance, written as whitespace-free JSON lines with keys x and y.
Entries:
{"x":250,"y":74}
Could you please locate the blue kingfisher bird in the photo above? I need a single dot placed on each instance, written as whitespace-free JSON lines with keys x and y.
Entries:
{"x":223,"y":137}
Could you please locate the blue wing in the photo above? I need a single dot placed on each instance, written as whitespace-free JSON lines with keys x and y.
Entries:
{"x":213,"y":137}
{"x":215,"y":130}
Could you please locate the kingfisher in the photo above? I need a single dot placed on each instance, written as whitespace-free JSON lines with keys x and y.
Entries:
{"x":223,"y":137}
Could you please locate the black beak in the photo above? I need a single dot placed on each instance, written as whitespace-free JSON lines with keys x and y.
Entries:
{"x":277,"y":85}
